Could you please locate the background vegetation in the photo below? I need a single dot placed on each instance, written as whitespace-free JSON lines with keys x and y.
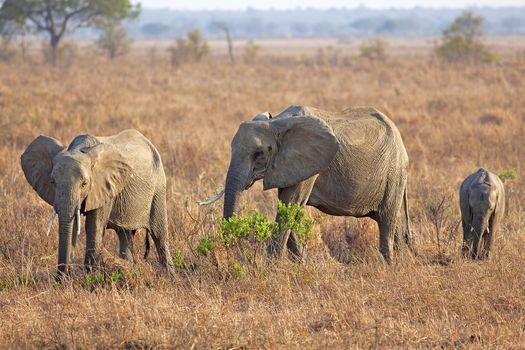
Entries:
{"x":453,"y":119}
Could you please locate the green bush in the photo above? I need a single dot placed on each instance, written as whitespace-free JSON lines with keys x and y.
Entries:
{"x":206,"y":246}
{"x":256,"y":229}
{"x":461,"y":41}
{"x":293,"y":217}
{"x":374,"y":49}
{"x":508,"y":174}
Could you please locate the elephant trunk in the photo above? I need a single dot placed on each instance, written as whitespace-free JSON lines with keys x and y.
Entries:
{"x":479,"y":226}
{"x":64,"y":243}
{"x":236,"y":181}
{"x":67,"y":208}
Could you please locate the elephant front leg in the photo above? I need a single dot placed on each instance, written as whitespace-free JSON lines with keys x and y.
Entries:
{"x":96,"y":221}
{"x":296,"y":194}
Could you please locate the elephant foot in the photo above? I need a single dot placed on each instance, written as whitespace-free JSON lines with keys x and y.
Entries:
{"x":92,"y":262}
{"x":297,"y":257}
{"x":387,"y":256}
{"x":274,"y":250}
{"x":62,"y":272}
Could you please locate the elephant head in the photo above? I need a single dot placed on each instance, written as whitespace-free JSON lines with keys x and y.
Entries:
{"x":281,"y":151}
{"x":72,"y":180}
{"x":482,"y":200}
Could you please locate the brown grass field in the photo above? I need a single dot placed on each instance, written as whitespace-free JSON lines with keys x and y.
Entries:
{"x":453,"y":119}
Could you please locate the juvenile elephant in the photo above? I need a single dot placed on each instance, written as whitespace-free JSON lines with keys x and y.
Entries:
{"x":116,"y":182}
{"x":350,"y":163}
{"x":482,"y":203}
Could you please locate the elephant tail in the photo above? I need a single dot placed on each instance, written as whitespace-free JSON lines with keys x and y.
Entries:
{"x":146,"y":244}
{"x":409,"y":238}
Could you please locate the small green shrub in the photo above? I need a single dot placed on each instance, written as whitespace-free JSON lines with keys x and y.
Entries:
{"x":193,"y":48}
{"x":250,"y":52}
{"x":256,"y":227}
{"x":206,"y":246}
{"x":117,"y":276}
{"x":250,"y":232}
{"x":374,"y":49}
{"x":508,"y":174}
{"x":238,"y":271}
{"x":94,"y":280}
{"x":293,"y":217}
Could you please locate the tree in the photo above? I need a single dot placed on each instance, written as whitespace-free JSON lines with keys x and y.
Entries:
{"x":226,"y":29}
{"x":114,"y":40}
{"x":461,"y":40}
{"x":56,"y":17}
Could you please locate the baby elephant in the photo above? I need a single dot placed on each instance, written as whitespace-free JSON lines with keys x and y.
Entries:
{"x":482,"y":202}
{"x":117,"y":182}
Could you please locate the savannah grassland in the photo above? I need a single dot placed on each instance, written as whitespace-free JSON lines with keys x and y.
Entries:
{"x":453,"y":119}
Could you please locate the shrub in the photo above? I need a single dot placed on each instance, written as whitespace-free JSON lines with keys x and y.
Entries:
{"x":194,"y":48}
{"x":461,"y":40}
{"x":293,"y":217}
{"x":250,"y":52}
{"x":114,"y":40}
{"x":508,"y":174}
{"x":374,"y":49}
{"x":206,"y":246}
{"x":249,"y":233}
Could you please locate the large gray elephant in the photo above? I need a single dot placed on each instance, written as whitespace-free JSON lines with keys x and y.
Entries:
{"x":350,"y":163}
{"x":482,"y":203}
{"x":117,"y":182}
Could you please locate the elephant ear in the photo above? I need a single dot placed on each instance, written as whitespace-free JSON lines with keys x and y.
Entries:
{"x":262,"y":117}
{"x":110,"y":174}
{"x":37,"y":164}
{"x":464,"y":203}
{"x":307,"y":146}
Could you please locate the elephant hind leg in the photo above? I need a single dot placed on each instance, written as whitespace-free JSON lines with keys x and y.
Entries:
{"x":159,"y":230}
{"x":386,"y":237}
{"x":147,"y":245}
{"x":403,"y":232}
{"x":295,"y":247}
{"x":126,"y":246}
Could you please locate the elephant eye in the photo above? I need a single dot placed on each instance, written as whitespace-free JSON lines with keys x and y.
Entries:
{"x":52,"y":181}
{"x":269,"y":148}
{"x":84,"y":183}
{"x":257,"y":154}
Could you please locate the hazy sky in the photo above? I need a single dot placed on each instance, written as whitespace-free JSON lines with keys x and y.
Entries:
{"x":282,"y":4}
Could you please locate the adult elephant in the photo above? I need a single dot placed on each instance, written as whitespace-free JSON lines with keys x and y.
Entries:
{"x":116,"y":182}
{"x":349,"y":163}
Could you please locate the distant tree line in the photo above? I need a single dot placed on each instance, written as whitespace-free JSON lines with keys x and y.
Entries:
{"x":310,"y":23}
{"x":461,"y":40}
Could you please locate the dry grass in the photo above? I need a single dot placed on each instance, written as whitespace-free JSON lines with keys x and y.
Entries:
{"x":348,"y":299}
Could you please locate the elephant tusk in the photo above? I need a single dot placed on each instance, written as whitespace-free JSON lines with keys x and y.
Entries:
{"x":51,"y":221}
{"x":78,"y":222}
{"x":212,"y":199}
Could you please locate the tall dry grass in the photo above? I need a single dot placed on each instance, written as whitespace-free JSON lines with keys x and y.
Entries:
{"x":453,"y":119}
